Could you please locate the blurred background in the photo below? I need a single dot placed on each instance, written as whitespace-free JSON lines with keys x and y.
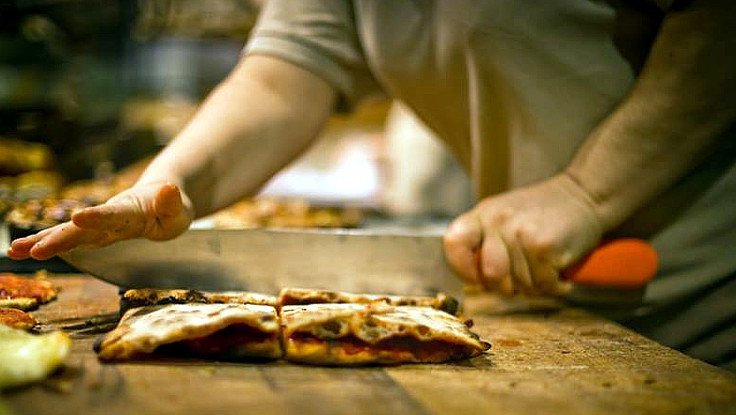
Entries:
{"x":92,"y":89}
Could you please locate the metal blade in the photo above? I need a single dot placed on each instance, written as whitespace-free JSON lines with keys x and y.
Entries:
{"x":267,"y":260}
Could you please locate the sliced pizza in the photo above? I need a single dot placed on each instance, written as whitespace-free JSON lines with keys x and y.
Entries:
{"x":17,"y":319}
{"x":25,"y":293}
{"x":147,"y":296}
{"x":222,"y":331}
{"x":358,"y":334}
{"x":304,"y":296}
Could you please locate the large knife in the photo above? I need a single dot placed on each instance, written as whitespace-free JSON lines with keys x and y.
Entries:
{"x":348,"y":260}
{"x":267,"y":260}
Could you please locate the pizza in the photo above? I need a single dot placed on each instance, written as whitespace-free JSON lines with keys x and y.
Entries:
{"x":25,"y":293}
{"x":148,"y":296}
{"x":223,"y":331}
{"x":304,"y":296}
{"x":17,"y":319}
{"x":378,"y":333}
{"x":304,"y":325}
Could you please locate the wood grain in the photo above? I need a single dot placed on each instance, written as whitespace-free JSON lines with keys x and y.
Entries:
{"x":553,"y":361}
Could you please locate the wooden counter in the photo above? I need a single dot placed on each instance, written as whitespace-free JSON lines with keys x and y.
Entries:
{"x":552,"y":362}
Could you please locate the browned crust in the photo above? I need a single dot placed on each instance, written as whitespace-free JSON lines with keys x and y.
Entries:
{"x":13,"y":286}
{"x":16,"y":319}
{"x":20,"y":303}
{"x":142,"y":297}
{"x":304,"y":296}
{"x":349,"y":351}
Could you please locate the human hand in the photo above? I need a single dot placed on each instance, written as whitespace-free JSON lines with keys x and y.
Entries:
{"x":521,"y":240}
{"x":155,"y":211}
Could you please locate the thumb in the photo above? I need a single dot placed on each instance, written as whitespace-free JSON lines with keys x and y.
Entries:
{"x":168,"y":203}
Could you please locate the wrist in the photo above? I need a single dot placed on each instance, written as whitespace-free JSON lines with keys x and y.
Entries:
{"x":594,"y":205}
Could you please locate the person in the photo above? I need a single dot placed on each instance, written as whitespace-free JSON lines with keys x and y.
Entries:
{"x":575,"y":119}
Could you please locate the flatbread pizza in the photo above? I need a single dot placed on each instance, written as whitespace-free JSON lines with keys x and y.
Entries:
{"x":222,"y":331}
{"x":359,"y":334}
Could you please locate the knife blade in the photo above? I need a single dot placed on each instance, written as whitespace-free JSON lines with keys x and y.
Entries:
{"x":265,"y":260}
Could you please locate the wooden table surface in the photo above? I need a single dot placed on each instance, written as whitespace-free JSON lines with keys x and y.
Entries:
{"x":561,"y":361}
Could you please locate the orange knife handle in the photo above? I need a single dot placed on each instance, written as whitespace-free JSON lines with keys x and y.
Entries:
{"x":619,"y":263}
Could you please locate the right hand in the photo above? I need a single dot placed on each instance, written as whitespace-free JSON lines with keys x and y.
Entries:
{"x":154,"y":211}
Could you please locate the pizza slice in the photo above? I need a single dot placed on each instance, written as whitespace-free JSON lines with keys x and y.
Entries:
{"x":358,"y":334}
{"x":148,"y":296}
{"x":224,"y":331}
{"x":17,"y":319}
{"x":25,"y":293}
{"x":304,"y":296}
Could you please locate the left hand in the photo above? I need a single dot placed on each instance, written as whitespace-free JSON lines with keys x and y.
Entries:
{"x":525,"y":237}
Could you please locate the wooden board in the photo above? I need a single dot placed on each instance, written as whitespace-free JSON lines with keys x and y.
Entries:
{"x":560,"y":361}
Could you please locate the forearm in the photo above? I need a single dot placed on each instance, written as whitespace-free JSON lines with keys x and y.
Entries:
{"x":257,"y":121}
{"x":682,"y":103}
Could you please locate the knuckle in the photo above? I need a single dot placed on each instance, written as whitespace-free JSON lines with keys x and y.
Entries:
{"x":504,"y":214}
{"x":538,"y":244}
{"x":459,"y":232}
{"x":491,"y":213}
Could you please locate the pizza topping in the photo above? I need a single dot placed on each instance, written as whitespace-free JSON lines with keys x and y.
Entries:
{"x":337,"y":334}
{"x":421,"y":350}
{"x":16,"y":319}
{"x":371,"y":322}
{"x":13,"y":286}
{"x":222,"y":342}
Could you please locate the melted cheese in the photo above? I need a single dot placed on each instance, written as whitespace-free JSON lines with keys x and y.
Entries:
{"x":376,"y":322}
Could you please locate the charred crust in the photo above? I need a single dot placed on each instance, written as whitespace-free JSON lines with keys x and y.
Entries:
{"x":448,"y":304}
{"x":332,"y":326}
{"x":97,"y":345}
{"x":146,"y":297}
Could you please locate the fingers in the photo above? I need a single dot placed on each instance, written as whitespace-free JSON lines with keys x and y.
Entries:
{"x":153,"y":211}
{"x":507,"y":260}
{"x":168,"y":202}
{"x":107,"y":216}
{"x":21,"y":247}
{"x":64,"y":238}
{"x":55,"y":240}
{"x":546,"y":277}
{"x":544,"y":272}
{"x":494,"y":261}
{"x":462,"y":238}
